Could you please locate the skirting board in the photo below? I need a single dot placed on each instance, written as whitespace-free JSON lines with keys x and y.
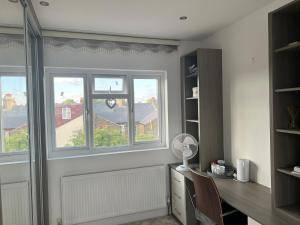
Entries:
{"x":129,"y":218}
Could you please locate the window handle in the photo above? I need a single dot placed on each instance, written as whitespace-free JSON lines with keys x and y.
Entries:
{"x":87,"y":112}
{"x":131,"y":107}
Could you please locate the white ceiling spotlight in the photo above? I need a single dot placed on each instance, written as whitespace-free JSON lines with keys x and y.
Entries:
{"x":44,"y":3}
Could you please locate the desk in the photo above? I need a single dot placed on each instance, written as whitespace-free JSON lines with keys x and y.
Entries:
{"x":252,"y":199}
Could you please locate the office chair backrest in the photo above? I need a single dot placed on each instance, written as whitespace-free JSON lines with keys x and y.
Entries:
{"x":208,"y":199}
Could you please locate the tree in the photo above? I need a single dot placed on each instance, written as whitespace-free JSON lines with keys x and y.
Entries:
{"x":69,"y":101}
{"x":107,"y":138}
{"x":102,"y":138}
{"x":145,"y":137}
{"x":78,"y":139}
{"x":17,"y":142}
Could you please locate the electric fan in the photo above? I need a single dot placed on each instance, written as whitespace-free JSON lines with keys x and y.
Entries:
{"x":184,"y":147}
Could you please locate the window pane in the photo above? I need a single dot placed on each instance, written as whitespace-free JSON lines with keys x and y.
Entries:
{"x":146,"y":109}
{"x":110,"y":125}
{"x":13,"y":113}
{"x":109,"y":83}
{"x":69,"y":111}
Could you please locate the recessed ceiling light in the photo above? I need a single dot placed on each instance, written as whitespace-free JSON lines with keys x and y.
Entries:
{"x":14,"y":1}
{"x":44,"y":3}
{"x":183,"y":18}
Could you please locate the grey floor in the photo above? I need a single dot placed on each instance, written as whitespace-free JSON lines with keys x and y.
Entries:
{"x":167,"y":220}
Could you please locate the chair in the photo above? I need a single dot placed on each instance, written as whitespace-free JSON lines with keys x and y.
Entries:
{"x":210,"y":209}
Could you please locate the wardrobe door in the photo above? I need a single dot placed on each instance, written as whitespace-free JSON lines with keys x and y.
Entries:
{"x":16,"y":198}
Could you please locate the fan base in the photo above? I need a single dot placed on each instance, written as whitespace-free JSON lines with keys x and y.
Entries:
{"x":183,"y":168}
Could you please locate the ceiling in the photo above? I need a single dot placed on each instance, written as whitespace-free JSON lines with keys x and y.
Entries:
{"x":11,"y":14}
{"x":151,"y":18}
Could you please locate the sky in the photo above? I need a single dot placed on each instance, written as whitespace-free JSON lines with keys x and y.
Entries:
{"x":66,"y":88}
{"x":15,"y":85}
{"x":72,"y":88}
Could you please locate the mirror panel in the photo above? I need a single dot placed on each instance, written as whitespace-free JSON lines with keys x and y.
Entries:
{"x":15,"y":172}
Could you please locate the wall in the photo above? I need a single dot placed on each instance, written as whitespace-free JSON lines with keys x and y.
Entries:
{"x":246,"y":90}
{"x":65,"y":57}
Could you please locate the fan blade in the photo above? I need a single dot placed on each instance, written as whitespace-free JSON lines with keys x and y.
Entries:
{"x":188,"y":140}
{"x":178,"y":145}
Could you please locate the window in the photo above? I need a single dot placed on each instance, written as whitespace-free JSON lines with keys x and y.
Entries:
{"x":146,"y":109}
{"x":109,"y":84}
{"x":96,"y":112}
{"x":13,"y":114}
{"x":69,"y":111}
{"x":110,"y":126}
{"x":66,"y":113}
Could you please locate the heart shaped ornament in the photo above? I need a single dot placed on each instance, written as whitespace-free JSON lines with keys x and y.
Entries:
{"x":111,"y":103}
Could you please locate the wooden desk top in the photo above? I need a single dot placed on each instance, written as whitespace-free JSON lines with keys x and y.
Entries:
{"x":252,"y":199}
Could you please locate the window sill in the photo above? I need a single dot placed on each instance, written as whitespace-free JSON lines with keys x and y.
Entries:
{"x":86,"y":153}
{"x":14,"y":159}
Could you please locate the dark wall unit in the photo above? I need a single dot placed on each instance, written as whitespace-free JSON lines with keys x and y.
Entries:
{"x":284,"y":52}
{"x":203,"y":114}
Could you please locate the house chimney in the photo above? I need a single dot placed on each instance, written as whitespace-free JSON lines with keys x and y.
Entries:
{"x":9,"y":102}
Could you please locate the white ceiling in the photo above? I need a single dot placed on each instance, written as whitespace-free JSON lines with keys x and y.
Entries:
{"x":11,"y":14}
{"x":144,"y":18}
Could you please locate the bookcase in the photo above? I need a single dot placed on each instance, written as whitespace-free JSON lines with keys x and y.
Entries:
{"x":202,"y":115}
{"x":284,"y":53}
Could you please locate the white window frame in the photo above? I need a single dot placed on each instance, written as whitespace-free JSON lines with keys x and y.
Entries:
{"x":90,"y":94}
{"x":13,"y":157}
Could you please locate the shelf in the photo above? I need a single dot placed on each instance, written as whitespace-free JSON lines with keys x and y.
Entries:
{"x":193,"y":121}
{"x":287,"y":90}
{"x":292,"y":211}
{"x":287,"y":131}
{"x":192,"y":98}
{"x":192,"y":75}
{"x":288,"y":171}
{"x":293,"y":47}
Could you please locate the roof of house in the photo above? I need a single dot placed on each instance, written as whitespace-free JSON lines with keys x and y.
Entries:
{"x":15,"y":118}
{"x":144,"y":112}
{"x":120,"y":114}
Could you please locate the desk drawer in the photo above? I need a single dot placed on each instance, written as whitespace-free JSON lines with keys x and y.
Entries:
{"x":178,"y":196}
{"x":178,"y":190}
{"x":178,"y":209}
{"x":179,"y":178}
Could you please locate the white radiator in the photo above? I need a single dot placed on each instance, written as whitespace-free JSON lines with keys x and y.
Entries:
{"x":97,"y":196}
{"x":15,"y":203}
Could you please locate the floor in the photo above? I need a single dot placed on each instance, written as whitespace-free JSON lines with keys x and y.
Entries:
{"x":167,"y":220}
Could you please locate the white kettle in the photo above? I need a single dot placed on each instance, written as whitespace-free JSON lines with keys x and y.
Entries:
{"x":242,"y":170}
